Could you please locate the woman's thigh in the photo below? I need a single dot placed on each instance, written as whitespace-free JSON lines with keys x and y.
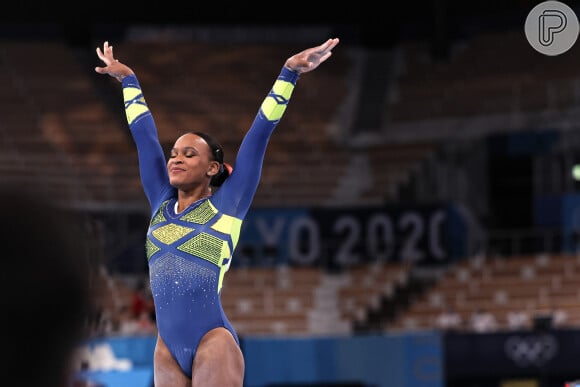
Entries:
{"x":166,"y":371}
{"x":219,"y":361}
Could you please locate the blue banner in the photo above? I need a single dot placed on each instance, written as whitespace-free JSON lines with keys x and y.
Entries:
{"x":408,"y":360}
{"x":340,"y":237}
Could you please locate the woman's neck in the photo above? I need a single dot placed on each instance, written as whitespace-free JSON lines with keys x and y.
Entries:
{"x":186,"y":198}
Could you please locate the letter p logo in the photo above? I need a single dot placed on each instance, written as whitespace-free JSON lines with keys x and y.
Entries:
{"x":551,"y":28}
{"x":552,"y":22}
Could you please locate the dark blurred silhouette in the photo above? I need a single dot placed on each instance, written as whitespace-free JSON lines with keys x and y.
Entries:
{"x":45,"y":286}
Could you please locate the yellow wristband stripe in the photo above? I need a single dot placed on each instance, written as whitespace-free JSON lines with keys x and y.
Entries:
{"x":275,"y":103}
{"x":131,"y":96}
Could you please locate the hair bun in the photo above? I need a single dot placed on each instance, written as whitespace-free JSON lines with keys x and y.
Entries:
{"x":225,"y":171}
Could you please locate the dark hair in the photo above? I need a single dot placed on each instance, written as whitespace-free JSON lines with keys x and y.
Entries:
{"x":217,"y":152}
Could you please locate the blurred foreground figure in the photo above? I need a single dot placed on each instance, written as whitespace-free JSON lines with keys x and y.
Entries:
{"x":45,"y":288}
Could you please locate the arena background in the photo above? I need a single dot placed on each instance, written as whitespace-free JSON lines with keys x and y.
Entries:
{"x":433,"y":154}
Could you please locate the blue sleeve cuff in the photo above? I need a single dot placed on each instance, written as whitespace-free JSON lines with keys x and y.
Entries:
{"x":289,"y":75}
{"x":130,"y":80}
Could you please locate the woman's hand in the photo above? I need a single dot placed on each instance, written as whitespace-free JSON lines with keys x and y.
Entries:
{"x":311,"y":58}
{"x":112,"y":67}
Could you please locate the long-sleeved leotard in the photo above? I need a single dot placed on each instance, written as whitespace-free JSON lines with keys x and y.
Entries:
{"x":189,"y":252}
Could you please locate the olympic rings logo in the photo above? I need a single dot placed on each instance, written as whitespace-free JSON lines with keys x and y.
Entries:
{"x":528,"y":351}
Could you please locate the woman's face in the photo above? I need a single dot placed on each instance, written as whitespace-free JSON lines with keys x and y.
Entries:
{"x":191,"y":163}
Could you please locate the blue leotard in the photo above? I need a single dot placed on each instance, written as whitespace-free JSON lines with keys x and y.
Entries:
{"x":189,"y":252}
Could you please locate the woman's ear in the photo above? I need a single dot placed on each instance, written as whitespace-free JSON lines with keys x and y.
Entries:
{"x":214,"y":168}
